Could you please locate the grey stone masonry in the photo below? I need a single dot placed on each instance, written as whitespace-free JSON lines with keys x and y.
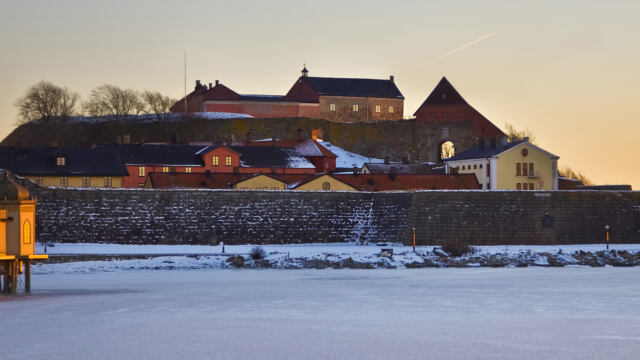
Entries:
{"x":141,"y":216}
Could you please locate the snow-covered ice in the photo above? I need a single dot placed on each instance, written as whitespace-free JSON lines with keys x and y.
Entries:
{"x":529,"y":313}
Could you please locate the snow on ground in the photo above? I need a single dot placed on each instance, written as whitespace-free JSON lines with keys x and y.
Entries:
{"x":529,"y":313}
{"x":345,"y":255}
{"x":303,"y":249}
{"x":347,"y":159}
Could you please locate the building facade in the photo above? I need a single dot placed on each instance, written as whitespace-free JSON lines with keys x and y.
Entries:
{"x":517,"y":165}
{"x":336,"y":99}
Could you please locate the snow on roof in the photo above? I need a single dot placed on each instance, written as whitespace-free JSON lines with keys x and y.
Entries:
{"x":348,"y":159}
{"x":147,"y":118}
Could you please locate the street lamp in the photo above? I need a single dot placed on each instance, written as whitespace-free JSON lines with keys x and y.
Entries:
{"x":606,"y":228}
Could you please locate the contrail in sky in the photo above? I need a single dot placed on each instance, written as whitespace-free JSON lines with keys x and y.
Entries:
{"x":465,"y":46}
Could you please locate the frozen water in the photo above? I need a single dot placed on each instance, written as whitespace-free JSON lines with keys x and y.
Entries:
{"x":530,"y":313}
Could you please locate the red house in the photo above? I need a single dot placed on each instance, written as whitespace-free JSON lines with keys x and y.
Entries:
{"x":336,"y":99}
{"x":445,"y":104}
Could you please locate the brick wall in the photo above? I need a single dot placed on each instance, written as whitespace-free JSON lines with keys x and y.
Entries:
{"x":202,"y":217}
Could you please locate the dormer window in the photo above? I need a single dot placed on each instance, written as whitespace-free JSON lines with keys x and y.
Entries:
{"x":61,"y":161}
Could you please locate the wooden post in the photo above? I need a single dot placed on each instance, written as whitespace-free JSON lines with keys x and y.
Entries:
{"x":13,"y":277}
{"x":27,"y":276}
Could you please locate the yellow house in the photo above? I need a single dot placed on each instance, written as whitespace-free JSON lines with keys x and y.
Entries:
{"x":325,"y":182}
{"x":73,"y":167}
{"x":517,"y":165}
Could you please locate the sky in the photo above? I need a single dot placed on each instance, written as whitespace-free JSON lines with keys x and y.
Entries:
{"x":569,"y":71}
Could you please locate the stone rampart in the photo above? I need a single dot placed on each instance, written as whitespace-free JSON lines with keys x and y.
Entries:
{"x":139,"y":216}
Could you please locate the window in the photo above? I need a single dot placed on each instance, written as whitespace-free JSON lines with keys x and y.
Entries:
{"x":141,"y":185}
{"x":531,"y":186}
{"x":518,"y":169}
{"x":519,"y":186}
{"x":531,"y":169}
{"x":216,"y":160}
{"x":165,"y":169}
{"x":525,"y":169}
{"x":445,"y":115}
{"x":141,"y":171}
{"x":86,"y":181}
{"x":326,"y":186}
{"x":355,"y":107}
{"x":475,"y":166}
{"x":107,"y":181}
{"x":26,"y":232}
{"x":61,"y":161}
{"x":390,"y":109}
{"x":458,"y":115}
{"x":187,"y":170}
{"x":64,"y":181}
{"x":480,"y":166}
{"x":377,"y":108}
{"x":433,"y":115}
{"x":227,"y":160}
{"x":332,"y":107}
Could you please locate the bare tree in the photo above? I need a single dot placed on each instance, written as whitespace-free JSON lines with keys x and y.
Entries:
{"x":569,"y":173}
{"x":514,"y":134}
{"x":157,"y":103}
{"x":46,"y":101}
{"x":112,"y":100}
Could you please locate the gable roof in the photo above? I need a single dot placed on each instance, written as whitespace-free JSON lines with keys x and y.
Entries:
{"x":306,"y":148}
{"x":193,"y":180}
{"x":270,"y":157}
{"x":379,"y":182}
{"x":483,"y":151}
{"x":41,"y":161}
{"x":406,"y":169}
{"x":444,"y":94}
{"x":160,"y":154}
{"x":353,"y":87}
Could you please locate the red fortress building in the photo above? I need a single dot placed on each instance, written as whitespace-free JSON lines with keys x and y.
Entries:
{"x":336,"y":99}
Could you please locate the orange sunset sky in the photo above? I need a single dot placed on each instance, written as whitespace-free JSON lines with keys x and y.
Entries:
{"x":567,"y":70}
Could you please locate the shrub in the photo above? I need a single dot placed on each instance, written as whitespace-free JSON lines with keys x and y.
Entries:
{"x":257,"y":253}
{"x":457,"y":248}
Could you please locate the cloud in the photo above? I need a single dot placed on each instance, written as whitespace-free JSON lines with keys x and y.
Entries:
{"x":464,"y":46}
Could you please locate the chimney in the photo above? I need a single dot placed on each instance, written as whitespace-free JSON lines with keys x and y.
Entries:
{"x":300,"y":137}
{"x":198,"y":85}
{"x":392,"y":79}
{"x":386,"y":160}
{"x":481,"y":143}
{"x":210,"y":86}
{"x":493,"y":142}
{"x":217,"y":82}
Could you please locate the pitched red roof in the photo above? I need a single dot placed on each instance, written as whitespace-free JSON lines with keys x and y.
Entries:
{"x":194,"y":180}
{"x":307,"y":147}
{"x":379,"y":182}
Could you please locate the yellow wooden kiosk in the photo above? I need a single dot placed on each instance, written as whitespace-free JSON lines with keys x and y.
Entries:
{"x":17,"y":234}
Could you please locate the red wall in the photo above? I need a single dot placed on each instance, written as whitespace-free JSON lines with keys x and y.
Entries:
{"x":263,"y":109}
{"x":483,"y":128}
